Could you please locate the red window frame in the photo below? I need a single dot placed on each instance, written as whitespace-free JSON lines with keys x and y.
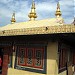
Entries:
{"x":20,"y":49}
{"x":32,"y":57}
{"x":42,"y":58}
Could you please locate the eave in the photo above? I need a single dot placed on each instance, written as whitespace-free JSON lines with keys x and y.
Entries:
{"x":39,"y":30}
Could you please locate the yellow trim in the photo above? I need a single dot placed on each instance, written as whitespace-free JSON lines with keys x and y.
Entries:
{"x":39,"y":30}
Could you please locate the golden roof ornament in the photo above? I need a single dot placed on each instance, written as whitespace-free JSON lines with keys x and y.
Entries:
{"x":58,"y":12}
{"x":74,"y":21}
{"x":13,"y":18}
{"x":32,"y":15}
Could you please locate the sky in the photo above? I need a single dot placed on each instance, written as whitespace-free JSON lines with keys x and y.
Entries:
{"x":44,"y":9}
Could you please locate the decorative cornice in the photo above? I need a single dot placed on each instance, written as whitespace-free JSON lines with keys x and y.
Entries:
{"x":40,"y":30}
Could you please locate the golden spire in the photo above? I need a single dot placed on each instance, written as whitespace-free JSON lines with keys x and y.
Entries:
{"x":58,"y":12}
{"x":74,"y":21}
{"x":13,"y":18}
{"x":32,"y":15}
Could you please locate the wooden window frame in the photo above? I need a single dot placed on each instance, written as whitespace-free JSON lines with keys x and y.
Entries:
{"x":33,"y":57}
{"x":42,"y":61}
{"x":32,"y":68}
{"x":32,"y":65}
{"x":62,"y":60}
{"x":19,"y":57}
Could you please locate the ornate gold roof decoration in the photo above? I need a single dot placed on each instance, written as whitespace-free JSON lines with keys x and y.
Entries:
{"x":58,"y":12}
{"x":13,"y":18}
{"x":74,"y":21}
{"x":40,"y":30}
{"x":32,"y":15}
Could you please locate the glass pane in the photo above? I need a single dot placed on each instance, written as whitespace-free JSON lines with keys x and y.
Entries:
{"x":29,"y":56}
{"x":38,"y":57}
{"x":22,"y":56}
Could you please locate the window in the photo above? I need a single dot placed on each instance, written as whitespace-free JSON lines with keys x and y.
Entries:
{"x":31,"y":59}
{"x":38,"y":58}
{"x":65,"y":56}
{"x":63,"y":59}
{"x":21,"y":57}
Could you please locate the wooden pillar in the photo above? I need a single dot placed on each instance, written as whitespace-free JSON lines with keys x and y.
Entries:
{"x":5,"y":61}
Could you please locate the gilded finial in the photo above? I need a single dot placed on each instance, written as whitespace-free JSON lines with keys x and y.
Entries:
{"x":58,"y":12}
{"x":13,"y":18}
{"x":73,"y":21}
{"x":32,"y":15}
{"x":33,"y":4}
